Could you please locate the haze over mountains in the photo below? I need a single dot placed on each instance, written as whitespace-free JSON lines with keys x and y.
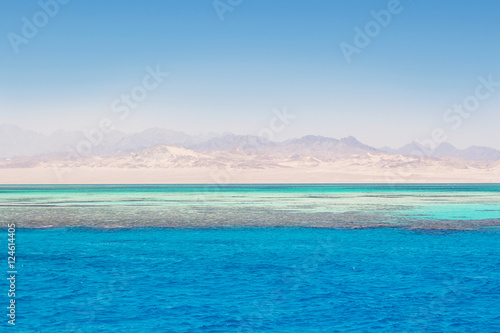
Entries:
{"x":165,"y":156}
{"x":16,"y":142}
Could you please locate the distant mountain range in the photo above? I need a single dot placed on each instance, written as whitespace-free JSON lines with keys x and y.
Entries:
{"x":16,"y":142}
{"x":473,"y":153}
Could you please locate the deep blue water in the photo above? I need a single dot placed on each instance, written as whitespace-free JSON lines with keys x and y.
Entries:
{"x":257,"y":280}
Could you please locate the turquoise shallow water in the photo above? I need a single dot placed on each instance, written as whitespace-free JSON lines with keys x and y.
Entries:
{"x":436,"y":206}
{"x":257,"y":280}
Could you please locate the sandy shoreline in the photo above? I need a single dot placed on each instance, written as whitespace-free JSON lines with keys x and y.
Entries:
{"x":93,"y":175}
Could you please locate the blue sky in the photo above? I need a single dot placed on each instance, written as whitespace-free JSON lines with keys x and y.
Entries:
{"x":229,"y":75}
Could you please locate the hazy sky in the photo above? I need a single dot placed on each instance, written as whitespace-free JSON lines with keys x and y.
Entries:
{"x":72,"y":69}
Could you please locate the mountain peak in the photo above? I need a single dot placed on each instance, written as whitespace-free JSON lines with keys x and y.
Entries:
{"x":9,"y":128}
{"x":350,"y":140}
{"x":312,"y":139}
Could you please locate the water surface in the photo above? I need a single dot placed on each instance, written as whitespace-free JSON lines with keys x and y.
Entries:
{"x":258,"y":280}
{"x":367,"y":205}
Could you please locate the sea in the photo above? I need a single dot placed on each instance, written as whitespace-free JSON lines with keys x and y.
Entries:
{"x":252,"y":258}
